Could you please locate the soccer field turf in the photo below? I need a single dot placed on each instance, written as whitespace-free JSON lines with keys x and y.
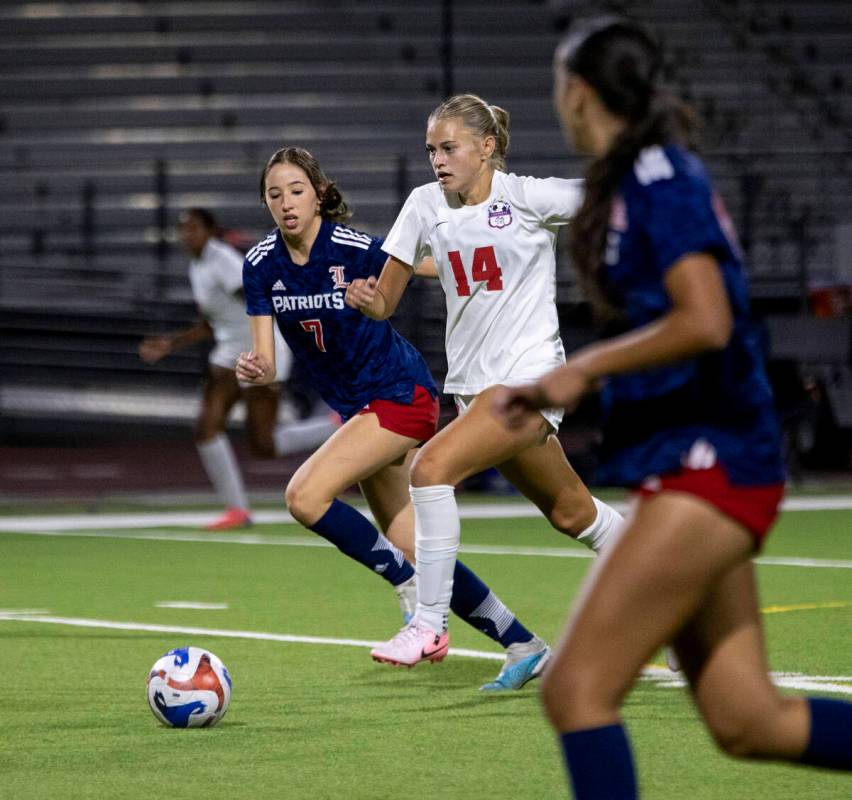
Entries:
{"x":82,"y":620}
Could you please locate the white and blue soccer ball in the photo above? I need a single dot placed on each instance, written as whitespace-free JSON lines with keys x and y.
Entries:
{"x":189,"y":687}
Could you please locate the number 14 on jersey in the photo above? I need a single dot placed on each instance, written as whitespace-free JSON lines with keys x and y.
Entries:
{"x":484,"y":267}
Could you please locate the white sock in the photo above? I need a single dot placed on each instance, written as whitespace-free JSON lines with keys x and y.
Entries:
{"x":296,"y":437}
{"x":604,"y":530}
{"x":437,"y":531}
{"x":221,"y":467}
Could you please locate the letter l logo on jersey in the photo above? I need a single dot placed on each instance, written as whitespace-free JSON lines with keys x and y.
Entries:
{"x":337,"y":276}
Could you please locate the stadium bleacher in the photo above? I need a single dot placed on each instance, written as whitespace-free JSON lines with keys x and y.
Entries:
{"x":115,"y":115}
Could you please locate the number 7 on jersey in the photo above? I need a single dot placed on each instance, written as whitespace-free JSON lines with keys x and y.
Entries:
{"x":483,"y":268}
{"x":314,"y":326}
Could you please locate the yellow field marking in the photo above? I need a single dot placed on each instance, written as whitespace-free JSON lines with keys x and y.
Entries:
{"x":782,"y":610}
{"x":804,"y":607}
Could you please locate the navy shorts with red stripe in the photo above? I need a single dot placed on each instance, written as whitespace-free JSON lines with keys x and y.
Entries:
{"x":754,"y":507}
{"x":416,"y":420}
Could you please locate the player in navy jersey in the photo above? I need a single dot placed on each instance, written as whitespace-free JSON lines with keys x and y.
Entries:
{"x":690,"y":426}
{"x":375,"y":379}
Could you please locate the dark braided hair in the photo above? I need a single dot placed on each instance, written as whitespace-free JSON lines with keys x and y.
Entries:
{"x":332,"y":206}
{"x":621,"y":61}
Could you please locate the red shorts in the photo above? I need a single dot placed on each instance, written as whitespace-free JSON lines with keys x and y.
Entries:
{"x":417,"y":419}
{"x":755,"y":507}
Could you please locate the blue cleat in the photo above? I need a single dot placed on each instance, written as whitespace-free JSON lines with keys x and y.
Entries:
{"x":521,"y":666}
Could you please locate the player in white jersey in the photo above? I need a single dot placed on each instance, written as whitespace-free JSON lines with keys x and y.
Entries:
{"x":216,"y":277}
{"x":497,"y":268}
{"x":492,"y":237}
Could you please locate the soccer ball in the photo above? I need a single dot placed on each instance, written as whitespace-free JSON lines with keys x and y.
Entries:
{"x":189,"y":687}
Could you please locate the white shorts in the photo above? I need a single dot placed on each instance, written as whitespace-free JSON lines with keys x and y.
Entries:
{"x":225,"y":354}
{"x":553,"y":416}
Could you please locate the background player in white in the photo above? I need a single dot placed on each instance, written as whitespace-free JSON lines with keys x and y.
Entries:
{"x":492,"y":237}
{"x":216,"y":276}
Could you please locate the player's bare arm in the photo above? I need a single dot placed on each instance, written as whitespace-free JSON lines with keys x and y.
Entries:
{"x":258,"y":366}
{"x":378,"y":298}
{"x":700,"y":320}
{"x":154,"y":348}
{"x":427,"y":268}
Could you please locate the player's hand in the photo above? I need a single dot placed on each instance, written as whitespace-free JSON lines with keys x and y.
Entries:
{"x":361,"y":293}
{"x":564,"y":386}
{"x":513,"y":405}
{"x":154,"y":348}
{"x":254,"y":368}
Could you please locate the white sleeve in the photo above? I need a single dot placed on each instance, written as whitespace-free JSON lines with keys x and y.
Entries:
{"x":230,"y":268}
{"x":554,"y":200}
{"x":406,"y":240}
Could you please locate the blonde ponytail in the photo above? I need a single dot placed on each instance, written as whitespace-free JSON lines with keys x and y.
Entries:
{"x":481,"y":118}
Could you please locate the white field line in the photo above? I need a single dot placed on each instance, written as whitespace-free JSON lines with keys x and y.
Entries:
{"x":197,"y":518}
{"x":10,"y":615}
{"x":834,"y":684}
{"x":316,"y":541}
{"x":192,"y":605}
{"x":520,"y":510}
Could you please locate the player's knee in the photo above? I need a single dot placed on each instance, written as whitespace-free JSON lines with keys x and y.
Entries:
{"x":568,"y":696}
{"x":742,"y":733}
{"x":427,"y":469}
{"x":305,"y":505}
{"x":734,"y":738}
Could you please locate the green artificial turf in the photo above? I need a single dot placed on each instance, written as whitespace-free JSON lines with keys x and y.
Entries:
{"x":312,"y":720}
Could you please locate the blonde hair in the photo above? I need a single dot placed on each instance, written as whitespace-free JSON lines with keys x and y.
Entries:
{"x":481,"y":118}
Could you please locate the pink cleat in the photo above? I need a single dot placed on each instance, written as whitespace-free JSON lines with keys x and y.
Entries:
{"x":232,"y":518}
{"x":412,"y":645}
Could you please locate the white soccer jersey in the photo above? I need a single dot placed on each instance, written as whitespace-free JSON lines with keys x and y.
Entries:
{"x":216,"y":277}
{"x":497,"y":266}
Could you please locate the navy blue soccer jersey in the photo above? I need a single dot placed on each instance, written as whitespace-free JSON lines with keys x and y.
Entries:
{"x":350,"y":358}
{"x":665,"y":210}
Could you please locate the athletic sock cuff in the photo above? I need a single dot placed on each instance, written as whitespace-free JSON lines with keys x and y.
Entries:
{"x":428,"y":494}
{"x":830,"y":742}
{"x":606,"y":524}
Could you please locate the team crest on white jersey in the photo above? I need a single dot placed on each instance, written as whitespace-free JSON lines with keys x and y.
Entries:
{"x":337,"y":277}
{"x":499,"y":214}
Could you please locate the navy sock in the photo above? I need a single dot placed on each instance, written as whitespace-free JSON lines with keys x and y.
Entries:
{"x":353,"y":534}
{"x":479,"y":607}
{"x":599,"y":763}
{"x":830,"y":743}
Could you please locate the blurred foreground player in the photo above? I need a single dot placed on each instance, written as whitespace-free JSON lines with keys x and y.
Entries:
{"x":691,"y":427}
